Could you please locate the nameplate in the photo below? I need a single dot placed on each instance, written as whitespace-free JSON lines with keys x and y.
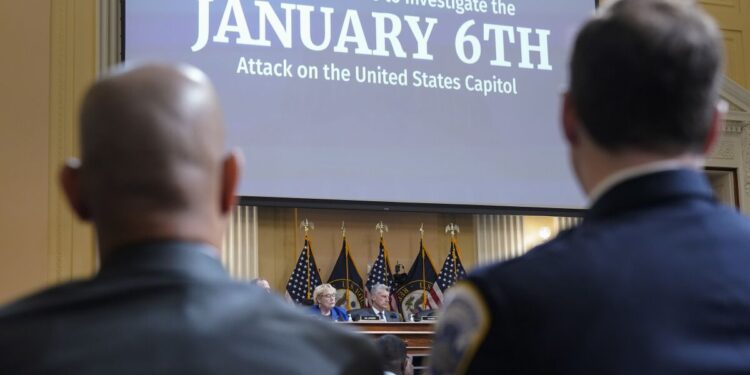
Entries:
{"x":429,"y":318}
{"x":369,"y":318}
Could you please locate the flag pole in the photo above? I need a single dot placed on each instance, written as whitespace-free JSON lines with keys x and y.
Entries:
{"x":381,"y":227}
{"x":424,"y":278}
{"x":346,"y":262}
{"x":453,"y":257}
{"x":307,"y":256}
{"x":307,"y":225}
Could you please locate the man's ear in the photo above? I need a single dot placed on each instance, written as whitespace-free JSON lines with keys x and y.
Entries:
{"x":714,"y":129}
{"x":70,"y":180}
{"x":570,"y":120}
{"x":230,"y":177}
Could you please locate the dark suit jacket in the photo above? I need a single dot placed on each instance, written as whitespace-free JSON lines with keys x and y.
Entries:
{"x":656,"y":280}
{"x":170,"y":308}
{"x":390,"y":316}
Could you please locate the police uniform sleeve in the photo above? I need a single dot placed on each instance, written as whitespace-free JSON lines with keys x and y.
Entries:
{"x":462,"y":339}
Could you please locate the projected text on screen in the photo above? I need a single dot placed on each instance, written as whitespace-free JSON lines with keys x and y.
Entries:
{"x":414,"y":101}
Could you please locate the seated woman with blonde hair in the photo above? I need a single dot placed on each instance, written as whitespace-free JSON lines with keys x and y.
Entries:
{"x":324,"y":297}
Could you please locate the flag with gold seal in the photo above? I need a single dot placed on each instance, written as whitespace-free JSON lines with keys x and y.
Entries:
{"x":345,"y":277}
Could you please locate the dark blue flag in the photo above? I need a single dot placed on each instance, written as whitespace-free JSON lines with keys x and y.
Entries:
{"x":412,"y":295}
{"x":345,"y":277}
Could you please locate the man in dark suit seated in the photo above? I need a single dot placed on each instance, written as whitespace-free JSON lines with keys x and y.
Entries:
{"x":156,"y":183}
{"x":379,"y":306}
{"x":655,"y":280}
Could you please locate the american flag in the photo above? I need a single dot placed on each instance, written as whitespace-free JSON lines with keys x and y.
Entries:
{"x":451,"y":272}
{"x":380,"y":273}
{"x":304,"y":278}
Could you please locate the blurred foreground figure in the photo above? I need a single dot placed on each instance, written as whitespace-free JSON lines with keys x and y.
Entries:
{"x":393,"y":354}
{"x":263,"y":284}
{"x":156,"y":183}
{"x":655,"y":280}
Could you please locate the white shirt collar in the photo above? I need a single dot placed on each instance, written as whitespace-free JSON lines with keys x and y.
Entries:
{"x":629,"y":173}
{"x":377,"y":312}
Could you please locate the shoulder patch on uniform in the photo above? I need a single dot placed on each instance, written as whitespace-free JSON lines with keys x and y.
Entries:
{"x":462,"y":327}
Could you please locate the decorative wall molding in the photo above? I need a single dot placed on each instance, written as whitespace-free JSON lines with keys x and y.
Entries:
{"x":737,"y":121}
{"x":501,"y":237}
{"x":239,"y":250}
{"x":72,"y":250}
{"x":567,"y":222}
{"x":736,"y":94}
{"x":745,"y":180}
{"x":498,"y":237}
{"x":733,"y":128}
{"x":738,"y":118}
{"x":724,"y":150}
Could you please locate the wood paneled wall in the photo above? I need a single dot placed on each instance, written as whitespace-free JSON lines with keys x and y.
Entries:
{"x":733,"y":17}
{"x":73,"y":59}
{"x":24,"y":145}
{"x":50,"y":59}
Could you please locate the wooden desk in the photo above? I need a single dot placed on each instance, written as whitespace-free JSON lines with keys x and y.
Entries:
{"x":418,"y":336}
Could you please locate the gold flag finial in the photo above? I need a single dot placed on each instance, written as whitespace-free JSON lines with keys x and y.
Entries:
{"x":452,"y":229}
{"x":381,"y":228}
{"x":307,"y":225}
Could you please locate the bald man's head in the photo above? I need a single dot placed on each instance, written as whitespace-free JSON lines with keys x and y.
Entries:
{"x":152,"y":152}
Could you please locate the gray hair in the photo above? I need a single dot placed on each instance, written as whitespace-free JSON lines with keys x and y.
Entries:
{"x":375,"y":288}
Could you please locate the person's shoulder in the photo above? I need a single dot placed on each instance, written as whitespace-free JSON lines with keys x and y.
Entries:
{"x":546,"y":270}
{"x":341,"y":313}
{"x":729,"y":216}
{"x":29,"y":327}
{"x":44,"y":301}
{"x":464,"y":323}
{"x":556,"y":251}
{"x":322,"y":346}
